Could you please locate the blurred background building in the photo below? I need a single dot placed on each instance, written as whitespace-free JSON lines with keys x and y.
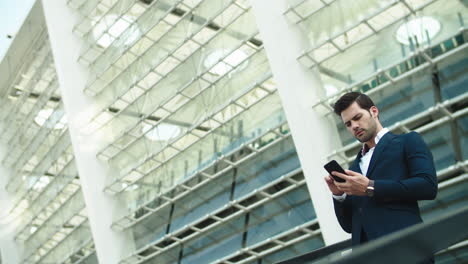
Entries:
{"x":194,"y":131}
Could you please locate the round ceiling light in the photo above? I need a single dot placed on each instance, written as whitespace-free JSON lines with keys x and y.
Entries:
{"x":161,"y":132}
{"x":51,"y":119}
{"x":105,"y":35}
{"x":330,"y":89}
{"x":421,"y":29}
{"x":222,"y":66}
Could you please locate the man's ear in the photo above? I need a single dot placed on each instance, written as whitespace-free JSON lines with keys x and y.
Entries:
{"x":374,"y":111}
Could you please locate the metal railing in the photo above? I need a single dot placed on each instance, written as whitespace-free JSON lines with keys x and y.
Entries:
{"x":411,"y":245}
{"x":320,"y":253}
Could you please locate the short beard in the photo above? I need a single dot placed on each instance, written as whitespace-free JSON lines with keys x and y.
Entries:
{"x":370,"y":132}
{"x":366,"y":138}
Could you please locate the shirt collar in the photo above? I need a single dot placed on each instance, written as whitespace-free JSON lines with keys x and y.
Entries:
{"x":379,"y":135}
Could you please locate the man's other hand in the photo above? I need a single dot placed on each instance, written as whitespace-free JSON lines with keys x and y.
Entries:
{"x":355,"y":184}
{"x":331,"y":185}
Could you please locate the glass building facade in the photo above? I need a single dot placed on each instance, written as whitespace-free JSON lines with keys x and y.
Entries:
{"x":190,"y":129}
{"x":46,"y":203}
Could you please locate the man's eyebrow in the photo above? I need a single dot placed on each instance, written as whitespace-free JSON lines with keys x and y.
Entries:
{"x":352,"y":118}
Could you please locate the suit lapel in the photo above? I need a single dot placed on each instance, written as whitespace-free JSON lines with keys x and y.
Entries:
{"x":379,"y":149}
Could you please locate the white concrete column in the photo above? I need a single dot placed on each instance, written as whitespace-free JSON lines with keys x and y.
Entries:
{"x":10,"y":250}
{"x":314,"y":135}
{"x":111,"y":246}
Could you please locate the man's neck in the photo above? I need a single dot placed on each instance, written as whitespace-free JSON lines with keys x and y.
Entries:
{"x":371,"y":143}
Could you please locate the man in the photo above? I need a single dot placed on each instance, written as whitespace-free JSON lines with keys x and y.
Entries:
{"x":387,"y":178}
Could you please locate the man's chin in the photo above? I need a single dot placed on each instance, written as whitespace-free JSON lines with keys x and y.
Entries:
{"x":362,"y":139}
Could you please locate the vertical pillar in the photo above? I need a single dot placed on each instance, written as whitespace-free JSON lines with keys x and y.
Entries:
{"x":10,"y":250}
{"x":314,"y":135}
{"x":111,"y":246}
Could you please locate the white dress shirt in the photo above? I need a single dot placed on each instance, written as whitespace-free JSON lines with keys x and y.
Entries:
{"x":365,"y":159}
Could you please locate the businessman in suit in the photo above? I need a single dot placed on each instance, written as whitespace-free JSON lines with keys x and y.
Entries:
{"x":390,"y":174}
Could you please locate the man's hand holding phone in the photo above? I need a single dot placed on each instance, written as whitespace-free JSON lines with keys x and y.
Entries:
{"x":355,"y":183}
{"x":330,"y":179}
{"x":331,"y":185}
{"x":340,"y":181}
{"x":334,"y":166}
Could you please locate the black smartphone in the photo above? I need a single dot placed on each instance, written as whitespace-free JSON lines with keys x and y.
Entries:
{"x":334,"y":166}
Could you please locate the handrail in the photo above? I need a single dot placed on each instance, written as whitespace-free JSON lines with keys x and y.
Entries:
{"x":411,"y":245}
{"x":414,"y":244}
{"x":319,"y":253}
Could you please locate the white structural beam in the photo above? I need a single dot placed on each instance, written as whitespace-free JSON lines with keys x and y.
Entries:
{"x":10,"y":251}
{"x":314,"y":134}
{"x":111,"y":246}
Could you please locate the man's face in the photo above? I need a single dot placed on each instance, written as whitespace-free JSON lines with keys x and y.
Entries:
{"x":362,"y":124}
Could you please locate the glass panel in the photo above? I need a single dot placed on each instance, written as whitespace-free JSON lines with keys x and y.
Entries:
{"x":405,"y":99}
{"x":151,"y":228}
{"x":283,"y":213}
{"x":265,"y":168}
{"x":448,"y":199}
{"x":220,"y":242}
{"x":203,"y":201}
{"x":47,"y":206}
{"x":440,"y":143}
{"x":463,"y":134}
{"x":295,"y":250}
{"x":451,"y":74}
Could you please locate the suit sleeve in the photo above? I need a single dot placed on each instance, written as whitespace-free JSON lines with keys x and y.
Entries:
{"x":343,"y":212}
{"x":421,"y":181}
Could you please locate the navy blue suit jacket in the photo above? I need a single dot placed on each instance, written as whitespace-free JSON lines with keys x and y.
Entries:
{"x":403,"y":171}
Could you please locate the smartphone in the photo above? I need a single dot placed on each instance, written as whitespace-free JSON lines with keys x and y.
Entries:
{"x":334,"y":166}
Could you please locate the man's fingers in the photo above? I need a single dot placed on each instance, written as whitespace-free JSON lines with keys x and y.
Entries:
{"x":330,"y":182}
{"x":343,"y":186}
{"x":341,"y":175}
{"x":345,"y":189}
{"x":352,"y":173}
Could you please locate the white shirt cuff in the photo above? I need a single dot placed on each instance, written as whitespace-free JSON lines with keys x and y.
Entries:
{"x":340,"y":198}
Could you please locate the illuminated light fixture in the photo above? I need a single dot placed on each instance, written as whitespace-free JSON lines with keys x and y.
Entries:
{"x":223,"y":66}
{"x":421,"y":29}
{"x":46,"y":117}
{"x":33,"y":229}
{"x":161,"y":132}
{"x":105,"y":35}
{"x":330,"y":89}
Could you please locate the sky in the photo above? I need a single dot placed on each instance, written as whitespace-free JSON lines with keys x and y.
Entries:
{"x":12,"y":16}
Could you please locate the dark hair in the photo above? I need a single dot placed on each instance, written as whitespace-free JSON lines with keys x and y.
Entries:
{"x":347,"y":99}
